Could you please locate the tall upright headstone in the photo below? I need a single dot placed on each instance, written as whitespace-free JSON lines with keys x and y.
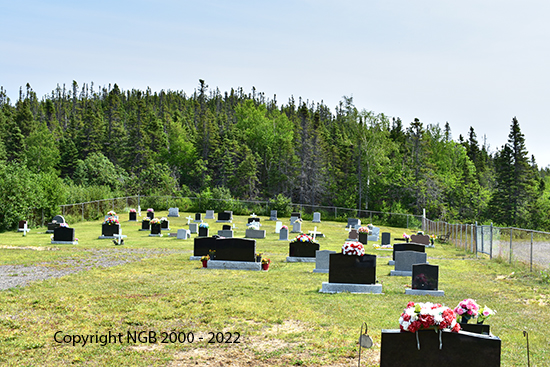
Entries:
{"x":316,"y":217}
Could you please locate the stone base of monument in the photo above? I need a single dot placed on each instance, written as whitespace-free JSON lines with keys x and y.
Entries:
{"x":320,"y":271}
{"x":224,"y":221}
{"x":148,"y":230}
{"x":102,"y":237}
{"x":294,"y":259}
{"x":351,"y":288}
{"x":391,"y":262}
{"x":64,"y":242}
{"x":165,"y":229}
{"x":234,"y":265}
{"x":155,"y":235}
{"x":132,"y":220}
{"x":194,"y":258}
{"x":401,"y":273}
{"x":423,"y":292}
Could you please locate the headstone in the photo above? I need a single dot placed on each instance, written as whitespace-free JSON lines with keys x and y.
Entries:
{"x":278,"y":226}
{"x":209,"y":214}
{"x":58,"y":219}
{"x":145,"y":225}
{"x":322,"y":261}
{"x":351,"y":273}
{"x":193,"y":228}
{"x":315,"y":233}
{"x":189,"y":219}
{"x":297,"y":227}
{"x":226,"y":227}
{"x":183,"y":234}
{"x":23,"y":227}
{"x":63,"y":235}
{"x":254,"y":233}
{"x":173,"y":212}
{"x":404,"y":260}
{"x":294,"y":216}
{"x":354,"y":223}
{"x":198,"y":218}
{"x":316,"y":217}
{"x":303,"y":249}
{"x":421,"y":238}
{"x":429,"y":348}
{"x":228,"y":249}
{"x":425,"y":280}
{"x":254,"y":219}
{"x":273,"y":215}
{"x":375,"y":236}
{"x":406,"y":247}
{"x":386,"y":239}
{"x":150,"y":213}
{"x":353,"y":235}
{"x":132,"y":216}
{"x":108,"y":231}
{"x":228,"y":233}
{"x":283,"y":234}
{"x":203,"y":231}
{"x":225,"y":216}
{"x":165,"y":225}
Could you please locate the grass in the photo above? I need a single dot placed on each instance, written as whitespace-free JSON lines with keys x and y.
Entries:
{"x":280,"y":316}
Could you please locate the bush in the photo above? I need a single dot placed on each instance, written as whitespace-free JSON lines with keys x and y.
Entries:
{"x":282,"y":205}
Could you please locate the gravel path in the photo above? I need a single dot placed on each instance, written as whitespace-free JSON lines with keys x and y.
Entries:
{"x":21,"y":275}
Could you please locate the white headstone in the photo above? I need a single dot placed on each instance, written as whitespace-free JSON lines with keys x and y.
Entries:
{"x":183,"y":234}
{"x":316,"y":217}
{"x":278,"y":226}
{"x":297,"y":226}
{"x":173,"y":212}
{"x":189,"y":219}
{"x":209,"y":214}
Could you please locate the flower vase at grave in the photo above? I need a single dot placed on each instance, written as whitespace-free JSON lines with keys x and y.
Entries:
{"x":265,"y":266}
{"x":155,"y":228}
{"x":204,"y":263}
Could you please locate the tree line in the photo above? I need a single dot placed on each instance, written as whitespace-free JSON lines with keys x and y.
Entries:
{"x":80,"y":144}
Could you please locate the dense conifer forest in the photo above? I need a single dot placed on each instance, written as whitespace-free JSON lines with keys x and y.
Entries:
{"x":83,"y":143}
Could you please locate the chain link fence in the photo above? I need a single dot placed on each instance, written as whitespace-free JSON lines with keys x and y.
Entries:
{"x":525,"y":246}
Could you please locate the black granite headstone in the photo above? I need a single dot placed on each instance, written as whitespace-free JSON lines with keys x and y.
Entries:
{"x":203,"y":245}
{"x":150,"y":215}
{"x":302,"y":249}
{"x":110,"y":229}
{"x":458,"y":349}
{"x":133,"y":215}
{"x":476,"y":328}
{"x":155,"y":228}
{"x":386,"y":238}
{"x":146,"y":224}
{"x":425,"y":277}
{"x":353,"y":222}
{"x":203,"y":231}
{"x":165,"y":224}
{"x":226,"y":215}
{"x":226,"y":227}
{"x":352,"y":269}
{"x":236,"y":249}
{"x":63,"y":234}
{"x":198,"y":216}
{"x":296,"y":215}
{"x":253,"y":219}
{"x":408,"y":247}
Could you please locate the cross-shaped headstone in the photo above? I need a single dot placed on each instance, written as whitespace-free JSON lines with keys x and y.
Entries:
{"x":253,"y":215}
{"x":189,"y":219}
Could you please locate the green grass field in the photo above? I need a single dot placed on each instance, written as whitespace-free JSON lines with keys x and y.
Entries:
{"x":273,"y":318}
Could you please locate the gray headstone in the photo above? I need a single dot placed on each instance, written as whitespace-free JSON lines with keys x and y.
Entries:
{"x":375,"y":236}
{"x":386,"y":238}
{"x":255,"y":233}
{"x":283,"y":234}
{"x":404,"y":260}
{"x":173,"y":212}
{"x":425,"y":277}
{"x":354,"y":223}
{"x":297,"y":227}
{"x":273,"y":215}
{"x":316,"y":217}
{"x":193,"y":227}
{"x":322,"y":260}
{"x":183,"y":234}
{"x":209,"y":214}
{"x":228,"y":233}
{"x":58,"y":219}
{"x":278,"y":226}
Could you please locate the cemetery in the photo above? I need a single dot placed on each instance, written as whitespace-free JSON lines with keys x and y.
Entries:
{"x":306,"y":281}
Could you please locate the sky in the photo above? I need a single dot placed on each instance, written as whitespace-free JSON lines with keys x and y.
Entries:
{"x":469,"y":63}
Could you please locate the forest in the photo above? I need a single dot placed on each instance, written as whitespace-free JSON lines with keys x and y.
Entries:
{"x":80,"y":143}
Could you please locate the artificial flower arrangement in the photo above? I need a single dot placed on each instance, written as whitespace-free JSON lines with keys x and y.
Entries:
{"x":364,"y":230}
{"x":377,"y":246}
{"x":266,"y":261}
{"x":111,"y":221}
{"x":150,"y":210}
{"x":132,"y":210}
{"x":353,"y":248}
{"x":303,"y":238}
{"x":469,"y":309}
{"x":111,"y":212}
{"x":155,"y":221}
{"x":406,"y":236}
{"x":147,"y":219}
{"x":422,"y":316}
{"x":205,"y":258}
{"x":203,"y":225}
{"x":284,"y":227}
{"x":66,"y":225}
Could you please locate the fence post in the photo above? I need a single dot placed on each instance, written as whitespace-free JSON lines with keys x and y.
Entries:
{"x":491,"y":244}
{"x":510,"y":261}
{"x":476,"y":239}
{"x":531,"y":255}
{"x":482,"y":239}
{"x":83,"y":212}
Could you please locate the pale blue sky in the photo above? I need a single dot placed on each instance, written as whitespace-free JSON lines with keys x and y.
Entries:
{"x":471,"y":63}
